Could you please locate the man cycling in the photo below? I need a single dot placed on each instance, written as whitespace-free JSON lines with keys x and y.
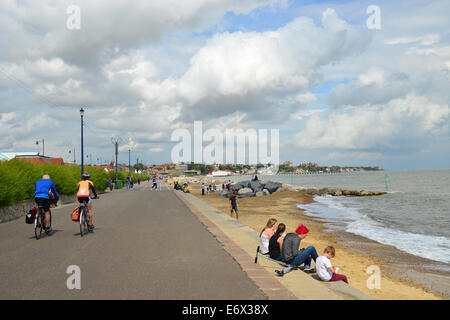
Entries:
{"x":42,"y":198}
{"x":84,"y":195}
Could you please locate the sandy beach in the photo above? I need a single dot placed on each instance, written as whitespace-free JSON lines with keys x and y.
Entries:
{"x":254,"y":212}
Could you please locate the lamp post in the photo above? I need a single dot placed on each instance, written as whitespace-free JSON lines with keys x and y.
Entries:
{"x":43,"y":145}
{"x":89,"y":156}
{"x":82,"y":151}
{"x":70,"y":151}
{"x":116,"y":141}
{"x":129,"y":162}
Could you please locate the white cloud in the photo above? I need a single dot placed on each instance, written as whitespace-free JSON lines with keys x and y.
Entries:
{"x":392,"y":126}
{"x":156,"y":149}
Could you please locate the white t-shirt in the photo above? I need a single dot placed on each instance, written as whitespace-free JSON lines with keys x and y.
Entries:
{"x":322,"y":265}
{"x":264,"y":243}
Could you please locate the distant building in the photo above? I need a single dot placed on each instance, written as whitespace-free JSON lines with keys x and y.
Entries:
{"x":181,"y":166}
{"x":288,"y":164}
{"x":221,"y":173}
{"x":11,"y":155}
{"x":32,"y":157}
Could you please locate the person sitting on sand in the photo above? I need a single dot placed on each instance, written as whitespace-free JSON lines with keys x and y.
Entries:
{"x":292,"y":255}
{"x":276,"y":242}
{"x":266,"y":234}
{"x":234,"y":205}
{"x":325,"y":270}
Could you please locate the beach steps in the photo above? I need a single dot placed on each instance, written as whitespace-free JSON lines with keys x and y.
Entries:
{"x":241,"y":241}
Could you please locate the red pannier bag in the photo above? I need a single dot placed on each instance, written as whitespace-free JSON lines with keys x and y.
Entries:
{"x":76,"y":214}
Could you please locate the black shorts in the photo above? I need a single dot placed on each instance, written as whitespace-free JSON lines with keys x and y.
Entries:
{"x":84,"y":199}
{"x":43,"y":202}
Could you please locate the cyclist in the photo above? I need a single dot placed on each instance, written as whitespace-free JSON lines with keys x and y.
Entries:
{"x":84,"y":195}
{"x":42,"y":197}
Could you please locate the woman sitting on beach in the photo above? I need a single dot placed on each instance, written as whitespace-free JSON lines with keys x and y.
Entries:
{"x":276,"y":242}
{"x":266,"y":234}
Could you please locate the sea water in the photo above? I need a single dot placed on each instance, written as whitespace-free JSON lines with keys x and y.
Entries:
{"x":414,"y":216}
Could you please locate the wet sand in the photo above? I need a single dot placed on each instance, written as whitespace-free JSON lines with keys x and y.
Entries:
{"x":354,"y":254}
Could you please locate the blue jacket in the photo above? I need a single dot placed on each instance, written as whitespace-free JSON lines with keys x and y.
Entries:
{"x":42,"y":188}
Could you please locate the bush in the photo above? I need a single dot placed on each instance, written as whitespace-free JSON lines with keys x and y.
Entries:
{"x":18,"y":179}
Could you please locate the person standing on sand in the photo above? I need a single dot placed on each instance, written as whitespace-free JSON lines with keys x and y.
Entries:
{"x":203,"y":189}
{"x":292,"y":255}
{"x":234,"y":205}
{"x":325,"y":270}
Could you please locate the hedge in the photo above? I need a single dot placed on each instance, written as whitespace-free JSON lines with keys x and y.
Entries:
{"x":18,"y":178}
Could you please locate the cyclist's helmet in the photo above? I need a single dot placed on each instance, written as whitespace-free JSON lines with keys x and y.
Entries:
{"x":85,"y":175}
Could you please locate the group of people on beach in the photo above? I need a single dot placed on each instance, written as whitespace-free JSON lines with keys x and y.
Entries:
{"x":208,"y":188}
{"x":183,"y":187}
{"x":286,"y":248}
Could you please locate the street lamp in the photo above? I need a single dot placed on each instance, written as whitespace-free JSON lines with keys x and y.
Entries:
{"x":43,"y":145}
{"x":129,"y":162}
{"x":87,"y":157}
{"x":116,"y":141}
{"x":82,"y":151}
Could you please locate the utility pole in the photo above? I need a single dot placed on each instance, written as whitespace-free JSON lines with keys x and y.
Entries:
{"x":82,"y":151}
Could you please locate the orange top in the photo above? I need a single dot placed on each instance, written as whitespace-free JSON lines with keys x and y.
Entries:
{"x":83,"y":188}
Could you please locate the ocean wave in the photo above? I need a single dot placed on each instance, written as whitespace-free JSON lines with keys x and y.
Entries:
{"x":436,"y":248}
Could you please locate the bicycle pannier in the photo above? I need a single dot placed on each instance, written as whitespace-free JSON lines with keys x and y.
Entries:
{"x":31,"y":216}
{"x":76,"y":214}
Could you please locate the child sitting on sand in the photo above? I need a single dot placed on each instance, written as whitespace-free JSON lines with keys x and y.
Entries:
{"x":325,"y":270}
{"x":266,"y":234}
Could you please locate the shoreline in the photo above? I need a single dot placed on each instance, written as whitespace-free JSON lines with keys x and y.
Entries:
{"x":395,"y":283}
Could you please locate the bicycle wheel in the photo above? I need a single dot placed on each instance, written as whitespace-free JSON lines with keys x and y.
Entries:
{"x":38,"y":226}
{"x":83,"y":222}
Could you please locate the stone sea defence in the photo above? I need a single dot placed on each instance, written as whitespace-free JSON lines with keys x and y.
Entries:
{"x":247,"y":189}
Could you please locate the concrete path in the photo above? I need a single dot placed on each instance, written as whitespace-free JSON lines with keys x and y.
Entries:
{"x":303,"y":286}
{"x":147,"y":245}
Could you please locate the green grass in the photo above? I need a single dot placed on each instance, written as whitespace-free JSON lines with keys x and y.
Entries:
{"x":18,"y":178}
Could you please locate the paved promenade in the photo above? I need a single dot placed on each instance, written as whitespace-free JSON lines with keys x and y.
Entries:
{"x":147,"y":245}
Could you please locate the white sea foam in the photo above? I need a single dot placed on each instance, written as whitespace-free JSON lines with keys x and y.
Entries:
{"x":330,"y":208}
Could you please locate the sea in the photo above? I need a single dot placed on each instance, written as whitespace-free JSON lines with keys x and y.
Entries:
{"x":413,"y":217}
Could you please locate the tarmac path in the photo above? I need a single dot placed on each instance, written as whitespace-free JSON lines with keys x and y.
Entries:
{"x":146,"y":245}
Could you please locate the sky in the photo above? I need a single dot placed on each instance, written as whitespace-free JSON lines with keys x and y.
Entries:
{"x":339,"y":91}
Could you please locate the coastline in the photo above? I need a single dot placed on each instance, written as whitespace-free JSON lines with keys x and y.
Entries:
{"x":353,"y":253}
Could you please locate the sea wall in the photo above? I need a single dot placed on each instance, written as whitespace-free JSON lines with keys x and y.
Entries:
{"x":21,"y":208}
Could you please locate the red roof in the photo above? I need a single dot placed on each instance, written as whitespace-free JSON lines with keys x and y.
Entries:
{"x":42,"y":160}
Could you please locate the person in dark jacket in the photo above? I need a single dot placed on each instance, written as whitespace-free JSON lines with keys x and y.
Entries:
{"x":276,"y":242}
{"x":291,"y":254}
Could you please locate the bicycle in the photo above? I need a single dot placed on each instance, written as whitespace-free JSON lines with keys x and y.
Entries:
{"x":84,"y":219}
{"x":39,"y":223}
